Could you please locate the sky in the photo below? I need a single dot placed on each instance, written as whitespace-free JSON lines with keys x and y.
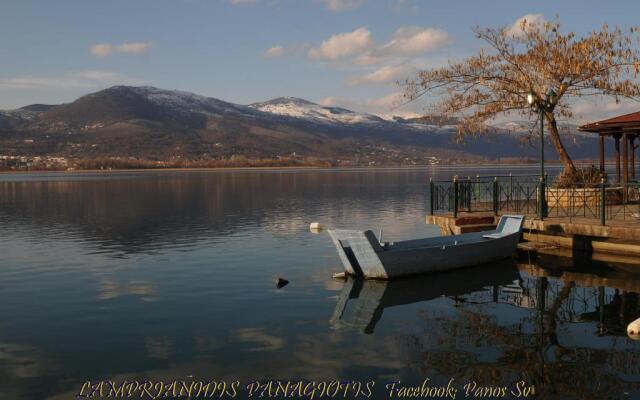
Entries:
{"x":347,"y":53}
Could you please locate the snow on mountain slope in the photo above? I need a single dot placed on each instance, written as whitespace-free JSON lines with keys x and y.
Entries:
{"x":187,"y":101}
{"x":182,"y":103}
{"x":20,"y":114}
{"x":300,"y":108}
{"x":523,"y":127}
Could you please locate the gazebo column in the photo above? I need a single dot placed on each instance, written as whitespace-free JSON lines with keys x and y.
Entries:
{"x":601,"y":153}
{"x":632,"y":160}
{"x":625,"y":158}
{"x":617,"y":138}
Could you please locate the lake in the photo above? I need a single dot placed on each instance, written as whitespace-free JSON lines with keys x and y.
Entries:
{"x":170,"y":276}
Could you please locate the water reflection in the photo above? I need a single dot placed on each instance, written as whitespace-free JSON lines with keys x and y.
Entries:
{"x":147,"y":212}
{"x":109,"y":289}
{"x":361,"y":302}
{"x":129,"y":213}
{"x":610,"y":289}
{"x":170,"y":275}
{"x":560,"y":329}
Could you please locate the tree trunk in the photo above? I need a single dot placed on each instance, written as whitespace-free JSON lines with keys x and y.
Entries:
{"x":557,"y":142}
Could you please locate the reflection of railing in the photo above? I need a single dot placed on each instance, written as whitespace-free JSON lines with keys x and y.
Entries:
{"x":521,"y":194}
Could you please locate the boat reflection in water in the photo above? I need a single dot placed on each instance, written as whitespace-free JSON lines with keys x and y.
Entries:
{"x":560,"y":324}
{"x":361,"y":302}
{"x":607,"y":295}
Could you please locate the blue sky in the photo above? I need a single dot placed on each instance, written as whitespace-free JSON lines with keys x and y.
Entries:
{"x":336,"y":52}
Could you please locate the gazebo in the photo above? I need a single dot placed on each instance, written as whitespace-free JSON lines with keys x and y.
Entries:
{"x":625,"y":128}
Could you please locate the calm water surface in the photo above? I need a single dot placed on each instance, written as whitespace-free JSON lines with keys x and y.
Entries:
{"x":171,"y":276}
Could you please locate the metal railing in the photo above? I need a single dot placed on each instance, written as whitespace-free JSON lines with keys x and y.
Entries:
{"x":521,"y":194}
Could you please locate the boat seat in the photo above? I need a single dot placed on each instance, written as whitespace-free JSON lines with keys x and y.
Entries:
{"x":508,"y":224}
{"x":511,"y":224}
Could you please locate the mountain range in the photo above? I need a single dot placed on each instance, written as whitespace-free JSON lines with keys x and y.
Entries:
{"x":154,"y":124}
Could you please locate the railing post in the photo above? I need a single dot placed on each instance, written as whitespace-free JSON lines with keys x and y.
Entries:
{"x":545,"y":204}
{"x":510,"y":190}
{"x":541,"y":196}
{"x":455,"y":197}
{"x":495,"y":195}
{"x":478,"y":191}
{"x":625,"y":197}
{"x":603,"y":199}
{"x":638,"y":194}
{"x":431,"y":195}
{"x":469,"y":193}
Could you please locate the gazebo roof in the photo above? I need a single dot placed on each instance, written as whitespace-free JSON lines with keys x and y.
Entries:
{"x":629,"y":123}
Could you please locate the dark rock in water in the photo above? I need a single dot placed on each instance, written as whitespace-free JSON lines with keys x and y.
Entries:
{"x":281,"y":282}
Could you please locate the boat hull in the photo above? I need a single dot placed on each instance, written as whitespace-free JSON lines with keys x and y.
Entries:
{"x":420,"y":261}
{"x":362,"y":254}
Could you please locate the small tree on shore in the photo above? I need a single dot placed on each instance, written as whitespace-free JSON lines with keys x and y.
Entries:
{"x":531,"y":58}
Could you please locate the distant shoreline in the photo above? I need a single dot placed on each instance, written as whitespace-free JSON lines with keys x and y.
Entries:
{"x":277,"y":168}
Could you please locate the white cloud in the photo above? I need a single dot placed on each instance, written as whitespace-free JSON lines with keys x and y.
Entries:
{"x":360,"y":48}
{"x":382,"y":105}
{"x":525,"y":23}
{"x":589,"y":111}
{"x":389,"y":101}
{"x":329,"y":101}
{"x":279,"y":50}
{"x":134,"y":48}
{"x":343,"y":45}
{"x":412,"y":40}
{"x":101,"y":50}
{"x":81,"y":79}
{"x":275,"y":51}
{"x":342,"y":5}
{"x":385,"y":74}
{"x":106,"y":49}
{"x":407,"y":41}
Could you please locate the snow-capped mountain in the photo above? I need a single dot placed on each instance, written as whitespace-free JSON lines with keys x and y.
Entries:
{"x":153,"y":123}
{"x":300,"y":108}
{"x":183,"y":101}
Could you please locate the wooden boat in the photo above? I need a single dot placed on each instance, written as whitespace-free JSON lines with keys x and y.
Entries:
{"x":363,"y":255}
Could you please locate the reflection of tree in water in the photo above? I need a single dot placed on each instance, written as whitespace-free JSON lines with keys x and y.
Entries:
{"x":536,"y":345}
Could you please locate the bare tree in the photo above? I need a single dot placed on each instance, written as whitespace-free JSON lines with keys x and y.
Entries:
{"x":534,"y":58}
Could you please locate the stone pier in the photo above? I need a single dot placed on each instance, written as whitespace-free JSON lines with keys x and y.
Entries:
{"x":575,"y":234}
